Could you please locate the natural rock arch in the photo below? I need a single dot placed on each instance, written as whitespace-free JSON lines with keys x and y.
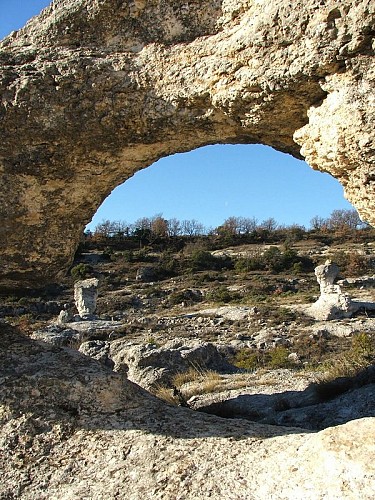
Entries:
{"x":93,"y":91}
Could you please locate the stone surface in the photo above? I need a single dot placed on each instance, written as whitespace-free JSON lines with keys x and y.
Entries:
{"x":233,"y":313}
{"x":58,"y":335}
{"x":280,"y":398}
{"x":353,"y":405}
{"x":149,"y":365}
{"x":326,"y":275}
{"x":333,"y":303}
{"x":85,"y":296}
{"x":99,"y":350}
{"x":71,"y":428}
{"x":91,"y":92}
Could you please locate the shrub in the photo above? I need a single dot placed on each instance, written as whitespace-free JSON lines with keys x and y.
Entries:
{"x":353,"y":263}
{"x":80,"y":271}
{"x":352,"y":369}
{"x":201,"y":260}
{"x":167,"y":267}
{"x":279,"y":357}
{"x":222,"y":294}
{"x":248,"y":264}
{"x":188,"y":296}
{"x":275,"y":261}
{"x":250,"y":359}
{"x":360,"y":356}
{"x":247,"y":359}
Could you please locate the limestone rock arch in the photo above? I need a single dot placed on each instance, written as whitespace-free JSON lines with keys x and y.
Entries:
{"x":94,"y":90}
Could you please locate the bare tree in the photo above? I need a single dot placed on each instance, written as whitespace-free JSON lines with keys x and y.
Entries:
{"x":247,"y":225}
{"x":159,"y":227}
{"x":174,"y":227}
{"x":192,"y":228}
{"x":142,"y":223}
{"x":344,"y":220}
{"x":229,"y":227}
{"x":318,"y":223}
{"x":103,"y":229}
{"x":269,"y":224}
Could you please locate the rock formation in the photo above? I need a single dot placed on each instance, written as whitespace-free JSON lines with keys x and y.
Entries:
{"x":150,"y":366}
{"x":92,"y":91}
{"x":333,"y":303}
{"x":72,"y":428}
{"x":85,"y":296}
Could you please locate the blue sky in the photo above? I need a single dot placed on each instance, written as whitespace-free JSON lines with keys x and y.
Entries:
{"x":213,"y":183}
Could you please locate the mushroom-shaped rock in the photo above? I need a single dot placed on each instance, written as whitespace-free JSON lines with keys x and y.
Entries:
{"x":332,"y":303}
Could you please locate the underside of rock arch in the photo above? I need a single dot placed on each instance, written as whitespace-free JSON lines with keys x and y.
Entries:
{"x":92,"y":91}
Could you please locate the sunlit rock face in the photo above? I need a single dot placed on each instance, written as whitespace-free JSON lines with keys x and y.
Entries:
{"x":85,"y":296}
{"x":71,"y":428}
{"x":92,"y":91}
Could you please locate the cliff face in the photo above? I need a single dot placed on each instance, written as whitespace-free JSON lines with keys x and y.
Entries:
{"x":92,"y":91}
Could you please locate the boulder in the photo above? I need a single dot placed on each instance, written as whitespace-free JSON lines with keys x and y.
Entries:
{"x":58,"y":335}
{"x":99,"y":350}
{"x":146,"y":274}
{"x":149,"y":365}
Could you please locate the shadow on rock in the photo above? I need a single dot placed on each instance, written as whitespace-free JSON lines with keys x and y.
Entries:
{"x":317,"y":407}
{"x":57,"y":384}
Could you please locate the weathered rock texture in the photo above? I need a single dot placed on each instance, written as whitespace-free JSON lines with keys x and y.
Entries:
{"x":71,"y":428}
{"x":150,"y":366}
{"x":85,"y":296}
{"x":333,"y":303}
{"x":92,"y":91}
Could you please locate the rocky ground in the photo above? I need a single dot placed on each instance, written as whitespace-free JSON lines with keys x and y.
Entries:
{"x":246,"y":377}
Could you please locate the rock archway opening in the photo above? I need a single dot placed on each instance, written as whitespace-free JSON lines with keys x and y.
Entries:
{"x":212,"y":183}
{"x":93,"y":92}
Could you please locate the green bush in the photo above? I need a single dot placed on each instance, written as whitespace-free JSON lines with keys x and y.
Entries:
{"x":188,"y":296}
{"x":279,"y":357}
{"x":250,"y":359}
{"x":222,"y":294}
{"x":275,"y":261}
{"x":247,"y":359}
{"x":167,"y":267}
{"x":201,"y":260}
{"x":349,"y":363}
{"x":248,"y":264}
{"x":80,"y":271}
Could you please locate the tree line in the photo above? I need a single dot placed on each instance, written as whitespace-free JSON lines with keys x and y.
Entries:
{"x":157,"y":227}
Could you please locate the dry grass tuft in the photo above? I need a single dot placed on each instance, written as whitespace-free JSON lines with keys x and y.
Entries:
{"x":349,"y":363}
{"x":353,"y":368}
{"x":193,"y":382}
